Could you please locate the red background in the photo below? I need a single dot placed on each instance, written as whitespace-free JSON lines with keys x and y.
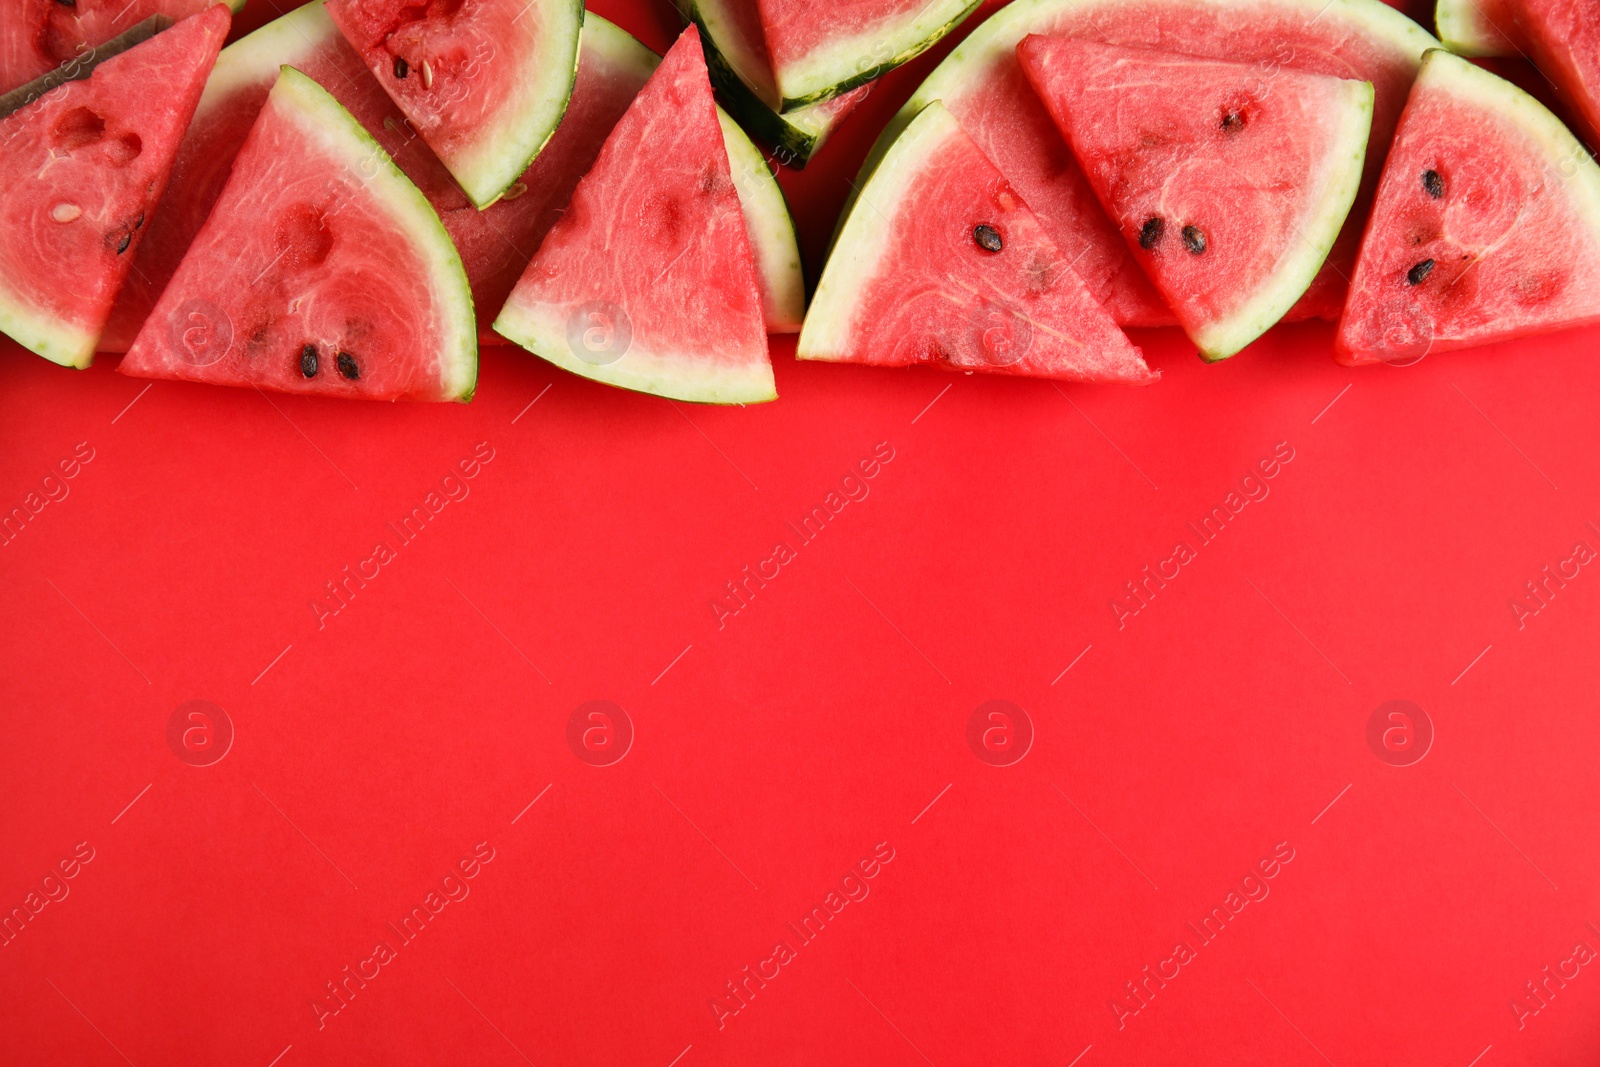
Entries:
{"x":771,"y":754}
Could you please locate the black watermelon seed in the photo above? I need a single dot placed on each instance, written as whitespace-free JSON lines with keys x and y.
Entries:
{"x":308,"y":361}
{"x":988,"y":238}
{"x":347,"y":366}
{"x":1233,"y":122}
{"x":138,"y":223}
{"x":1433,"y":184}
{"x":1419,"y":273}
{"x":1194,"y":239}
{"x":401,"y":67}
{"x":67,"y":3}
{"x":127,"y":239}
{"x":1151,"y":232}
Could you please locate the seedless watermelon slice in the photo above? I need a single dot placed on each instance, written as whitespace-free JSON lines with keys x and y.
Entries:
{"x":82,"y":168}
{"x":648,"y":281}
{"x":983,"y":85}
{"x":484,"y":81}
{"x":322,"y":269}
{"x":1564,"y":38}
{"x":1486,"y":228}
{"x":38,"y":35}
{"x":941,"y":262}
{"x":1229,"y":183}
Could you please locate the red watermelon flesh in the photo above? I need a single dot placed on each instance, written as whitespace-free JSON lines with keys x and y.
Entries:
{"x":648,"y":280}
{"x":815,"y":49}
{"x":1564,"y":37}
{"x":322,"y":269}
{"x":942,"y":263}
{"x":83,"y":168}
{"x":1229,"y":184}
{"x":984,"y":86}
{"x":39,"y":35}
{"x":1486,"y":227}
{"x":495,"y":244}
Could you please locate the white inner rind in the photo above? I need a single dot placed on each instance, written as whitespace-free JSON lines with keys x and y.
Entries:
{"x":1330,"y":202}
{"x":45,"y":334}
{"x":770,"y":227}
{"x":867,"y":236}
{"x":322,"y":120}
{"x":842,"y":62}
{"x":742,"y":55}
{"x":285,"y":41}
{"x":1466,"y":30}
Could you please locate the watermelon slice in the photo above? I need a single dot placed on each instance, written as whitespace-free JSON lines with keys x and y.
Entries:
{"x":1475,"y":27}
{"x":485,"y":82}
{"x":496,"y":243}
{"x":322,"y":269}
{"x":736,"y":55}
{"x":821,"y":50}
{"x":1564,"y":39}
{"x":38,"y":35}
{"x":648,"y":281}
{"x":83,"y":167}
{"x":941,"y":262}
{"x":984,"y":87}
{"x":1228,"y":183}
{"x":1487,"y":225}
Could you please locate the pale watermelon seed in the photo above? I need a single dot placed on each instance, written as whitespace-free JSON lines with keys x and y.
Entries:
{"x":515,"y":190}
{"x":401,"y":67}
{"x":347,"y":366}
{"x":1433,"y":184}
{"x":1419,"y":273}
{"x":308,"y":361}
{"x":1151,"y":232}
{"x":988,"y":238}
{"x":1194,"y":239}
{"x":427,"y":75}
{"x":65,"y":212}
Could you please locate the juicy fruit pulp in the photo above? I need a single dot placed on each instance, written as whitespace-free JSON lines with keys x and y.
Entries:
{"x":1486,"y":228}
{"x":1564,"y":37}
{"x":322,"y":269}
{"x":1229,"y":183}
{"x":984,"y":87}
{"x":821,"y":50}
{"x":38,"y":35}
{"x":648,"y":280}
{"x":940,"y":262}
{"x":83,"y":167}
{"x":484,"y":82}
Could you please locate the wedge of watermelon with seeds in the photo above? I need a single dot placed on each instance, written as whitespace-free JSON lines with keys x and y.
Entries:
{"x":38,"y":35}
{"x":1486,"y":228}
{"x":940,"y":262}
{"x":983,"y":85}
{"x":1229,"y":183}
{"x":485,"y":82}
{"x":322,"y":269}
{"x":83,"y":167}
{"x":648,"y":281}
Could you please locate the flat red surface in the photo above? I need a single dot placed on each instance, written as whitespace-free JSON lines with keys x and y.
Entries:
{"x":373,"y":749}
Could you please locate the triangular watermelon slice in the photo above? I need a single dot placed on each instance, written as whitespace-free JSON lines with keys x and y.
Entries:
{"x":38,"y":35}
{"x":648,"y":281}
{"x":322,"y":269}
{"x":1564,"y":37}
{"x":941,"y":262}
{"x":1229,"y":183}
{"x":82,"y":168}
{"x":1487,"y":225}
{"x":485,"y":82}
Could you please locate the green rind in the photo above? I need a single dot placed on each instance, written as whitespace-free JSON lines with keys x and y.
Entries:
{"x":340,"y":132}
{"x":1467,"y":31}
{"x":496,"y":164}
{"x":770,"y":225}
{"x":867,"y":236}
{"x":1347,"y":158}
{"x":850,"y":64}
{"x":740,"y":59}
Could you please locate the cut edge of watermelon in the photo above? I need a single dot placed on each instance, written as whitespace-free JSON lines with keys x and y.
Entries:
{"x":279,"y":43}
{"x":740,"y":57}
{"x":46,"y":335}
{"x":1466,"y":29}
{"x":770,"y":224}
{"x":850,"y":62}
{"x":1347,"y":157}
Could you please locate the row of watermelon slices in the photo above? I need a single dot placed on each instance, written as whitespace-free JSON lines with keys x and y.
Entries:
{"x":1041,"y":190}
